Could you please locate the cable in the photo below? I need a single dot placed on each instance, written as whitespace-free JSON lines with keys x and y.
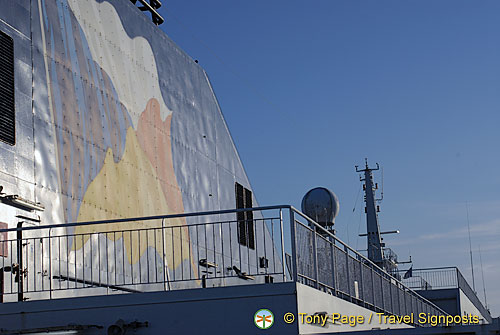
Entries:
{"x":359,"y":227}
{"x":470,"y":248}
{"x":352,"y":214}
{"x":482,"y":275}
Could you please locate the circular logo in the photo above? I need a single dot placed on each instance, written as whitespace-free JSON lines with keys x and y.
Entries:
{"x":263,"y":319}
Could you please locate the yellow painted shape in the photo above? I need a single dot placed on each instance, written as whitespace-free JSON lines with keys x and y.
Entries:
{"x":130,"y":188}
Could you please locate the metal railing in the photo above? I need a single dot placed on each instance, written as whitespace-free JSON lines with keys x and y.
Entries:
{"x":444,"y":278}
{"x":194,"y":250}
{"x":140,"y":254}
{"x":325,"y":262}
{"x":432,"y":278}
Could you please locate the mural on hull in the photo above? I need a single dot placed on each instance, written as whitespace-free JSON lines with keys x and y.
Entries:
{"x":113,"y":128}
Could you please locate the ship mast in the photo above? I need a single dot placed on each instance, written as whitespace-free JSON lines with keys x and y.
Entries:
{"x":374,"y":240}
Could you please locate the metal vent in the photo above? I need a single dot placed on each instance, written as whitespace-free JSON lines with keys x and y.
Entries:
{"x":246,"y":234}
{"x":7,"y":104}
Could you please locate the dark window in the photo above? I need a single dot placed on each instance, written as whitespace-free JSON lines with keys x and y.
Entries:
{"x":246,"y":235}
{"x":7,"y":104}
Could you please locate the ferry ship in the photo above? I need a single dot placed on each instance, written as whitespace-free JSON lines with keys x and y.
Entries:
{"x":125,"y":208}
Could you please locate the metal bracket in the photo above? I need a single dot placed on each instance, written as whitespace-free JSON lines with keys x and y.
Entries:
{"x":151,"y":7}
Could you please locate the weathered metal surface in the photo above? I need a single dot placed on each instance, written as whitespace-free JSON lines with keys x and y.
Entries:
{"x":113,"y":120}
{"x":200,"y":311}
{"x":17,"y":161}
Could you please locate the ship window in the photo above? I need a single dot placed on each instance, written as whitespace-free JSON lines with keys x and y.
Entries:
{"x":246,"y":235}
{"x":7,"y":106}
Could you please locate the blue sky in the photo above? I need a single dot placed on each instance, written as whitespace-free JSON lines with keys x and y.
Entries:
{"x":311,"y":88}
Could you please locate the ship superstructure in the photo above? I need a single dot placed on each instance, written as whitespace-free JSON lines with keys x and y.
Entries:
{"x":125,"y":205}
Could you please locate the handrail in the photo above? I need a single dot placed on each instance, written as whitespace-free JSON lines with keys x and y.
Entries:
{"x":294,"y":220}
{"x":388,"y":275}
{"x":469,"y":292}
{"x":458,"y":282}
{"x":78,"y":264}
{"x":146,"y":218}
{"x":434,"y":268}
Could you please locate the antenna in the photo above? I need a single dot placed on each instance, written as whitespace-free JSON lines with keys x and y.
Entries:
{"x":382,"y":191}
{"x":482,"y":275}
{"x":374,"y":240}
{"x":470,"y":247}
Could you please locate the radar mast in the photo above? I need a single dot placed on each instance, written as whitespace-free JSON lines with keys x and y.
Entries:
{"x":374,"y":240}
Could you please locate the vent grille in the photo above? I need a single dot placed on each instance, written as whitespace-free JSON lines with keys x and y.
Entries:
{"x":7,"y":102}
{"x":246,"y":235}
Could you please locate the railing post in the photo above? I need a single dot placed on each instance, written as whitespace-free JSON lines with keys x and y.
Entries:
{"x":20,"y":272}
{"x":283,"y":256}
{"x":334,"y":269}
{"x":293,"y":241}
{"x":382,"y":289}
{"x":347,"y":271}
{"x":50,"y":265}
{"x":391,"y":305}
{"x":360,"y":289}
{"x":315,"y":255}
{"x":165,"y":269}
{"x":457,"y":273}
{"x":373,"y":285}
{"x":404,"y":302}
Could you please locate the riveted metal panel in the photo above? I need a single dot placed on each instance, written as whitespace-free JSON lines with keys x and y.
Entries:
{"x":24,"y":115}
{"x":122,"y":123}
{"x":17,"y":15}
{"x":16,"y":161}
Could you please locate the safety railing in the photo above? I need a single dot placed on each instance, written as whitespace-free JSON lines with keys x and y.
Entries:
{"x":431,"y":278}
{"x":326,"y":263}
{"x":444,"y":278}
{"x":194,"y":250}
{"x":141,"y":254}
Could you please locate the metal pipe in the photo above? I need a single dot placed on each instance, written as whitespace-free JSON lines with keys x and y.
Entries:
{"x":283,"y":256}
{"x":156,"y":217}
{"x":294,"y":246}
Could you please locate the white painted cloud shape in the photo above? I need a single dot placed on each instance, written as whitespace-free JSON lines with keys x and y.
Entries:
{"x":129,"y":62}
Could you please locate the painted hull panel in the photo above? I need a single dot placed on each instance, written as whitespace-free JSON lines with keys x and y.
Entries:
{"x":113,"y":120}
